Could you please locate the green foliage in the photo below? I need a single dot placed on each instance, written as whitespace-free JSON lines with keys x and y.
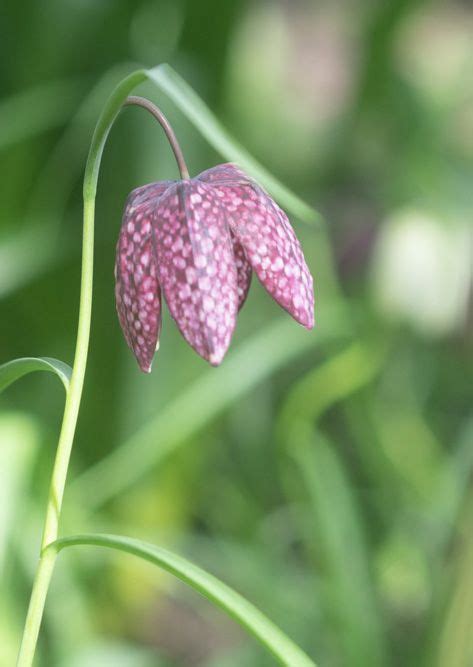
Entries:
{"x":325,"y":476}
{"x":14,"y":370}
{"x":205,"y":121}
{"x":214,"y":590}
{"x":287,"y":652}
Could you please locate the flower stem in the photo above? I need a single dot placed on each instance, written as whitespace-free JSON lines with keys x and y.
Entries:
{"x":58,"y":479}
{"x":163,"y":121}
{"x":71,"y":409}
{"x":42,"y":578}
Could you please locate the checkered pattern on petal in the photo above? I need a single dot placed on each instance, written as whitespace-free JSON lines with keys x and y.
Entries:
{"x":271,"y":247}
{"x":196,"y":267}
{"x":138,"y":297}
{"x":244,"y":271}
{"x":201,"y":239}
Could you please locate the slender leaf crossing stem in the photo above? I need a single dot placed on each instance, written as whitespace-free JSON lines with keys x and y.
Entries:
{"x":237,"y":607}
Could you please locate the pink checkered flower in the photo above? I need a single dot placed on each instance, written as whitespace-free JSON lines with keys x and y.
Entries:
{"x":199,"y":241}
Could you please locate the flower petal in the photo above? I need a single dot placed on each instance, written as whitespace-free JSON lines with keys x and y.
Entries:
{"x":271,"y":247}
{"x":196,"y":267}
{"x":229,"y":173}
{"x":146,"y":193}
{"x":244,"y":271}
{"x":137,"y":292}
{"x":223,"y":173}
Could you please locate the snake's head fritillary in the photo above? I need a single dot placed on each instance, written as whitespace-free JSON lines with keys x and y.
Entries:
{"x":199,"y":240}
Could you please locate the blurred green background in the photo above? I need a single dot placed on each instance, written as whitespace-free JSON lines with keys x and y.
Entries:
{"x":324,"y":475}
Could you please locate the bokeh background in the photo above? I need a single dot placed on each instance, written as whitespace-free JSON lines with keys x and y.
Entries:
{"x":324,"y":475}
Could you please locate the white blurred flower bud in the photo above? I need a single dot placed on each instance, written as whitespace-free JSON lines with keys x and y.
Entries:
{"x":422,"y":270}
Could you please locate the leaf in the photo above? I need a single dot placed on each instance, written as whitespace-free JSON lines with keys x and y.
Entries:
{"x":192,"y":106}
{"x":14,"y":370}
{"x":207,"y":585}
{"x":336,"y":539}
{"x":206,"y":398}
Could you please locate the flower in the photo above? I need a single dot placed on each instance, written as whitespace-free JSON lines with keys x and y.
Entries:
{"x":199,"y":241}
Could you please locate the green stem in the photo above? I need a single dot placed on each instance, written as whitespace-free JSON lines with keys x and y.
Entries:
{"x":71,"y":409}
{"x":179,"y":92}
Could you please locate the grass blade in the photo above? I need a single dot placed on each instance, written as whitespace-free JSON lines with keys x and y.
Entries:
{"x":14,"y":370}
{"x":207,"y":585}
{"x":192,"y":106}
{"x":337,"y":540}
{"x":337,"y":536}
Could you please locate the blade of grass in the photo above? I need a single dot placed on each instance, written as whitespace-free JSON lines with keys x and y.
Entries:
{"x":14,"y":370}
{"x":242,"y":611}
{"x":336,"y":539}
{"x":192,"y":106}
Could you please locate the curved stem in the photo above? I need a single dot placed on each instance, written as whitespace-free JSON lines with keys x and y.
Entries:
{"x":163,"y":121}
{"x":71,"y":409}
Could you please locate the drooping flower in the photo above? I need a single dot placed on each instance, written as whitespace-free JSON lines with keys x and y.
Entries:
{"x":199,"y":240}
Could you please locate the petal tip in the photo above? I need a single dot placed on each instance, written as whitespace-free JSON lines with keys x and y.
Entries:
{"x":311,"y":323}
{"x":145,"y":366}
{"x":216,"y":358}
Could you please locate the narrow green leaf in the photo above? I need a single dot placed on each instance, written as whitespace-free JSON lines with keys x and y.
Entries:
{"x":207,"y":585}
{"x":336,"y":539}
{"x":204,"y":400}
{"x":14,"y":370}
{"x":192,"y":106}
